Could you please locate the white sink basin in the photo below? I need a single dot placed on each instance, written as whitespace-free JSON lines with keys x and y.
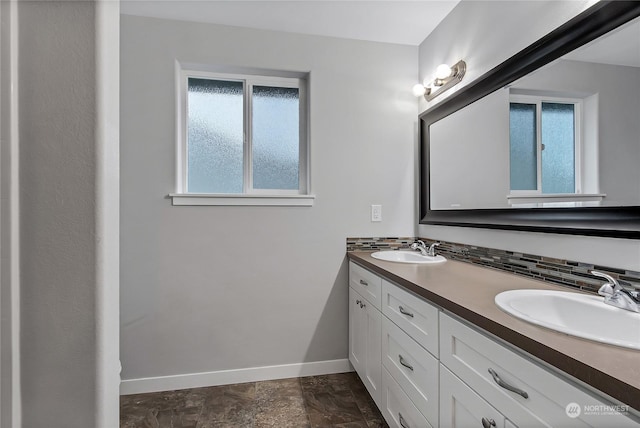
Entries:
{"x":575,"y":314}
{"x":406,"y":257}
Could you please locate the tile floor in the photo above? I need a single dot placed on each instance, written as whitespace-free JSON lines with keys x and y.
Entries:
{"x":336,"y":400}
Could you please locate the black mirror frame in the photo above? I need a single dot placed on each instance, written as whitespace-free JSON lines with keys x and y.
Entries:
{"x":616,"y":222}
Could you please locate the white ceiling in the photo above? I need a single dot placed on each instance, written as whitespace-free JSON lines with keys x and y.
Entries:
{"x":403,"y":22}
{"x":619,"y":47}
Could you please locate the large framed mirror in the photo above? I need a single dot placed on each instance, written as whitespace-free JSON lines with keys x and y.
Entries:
{"x":547,"y":141}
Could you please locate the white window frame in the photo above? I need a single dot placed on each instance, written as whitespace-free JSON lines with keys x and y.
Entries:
{"x":537,"y":100}
{"x":249,"y":196}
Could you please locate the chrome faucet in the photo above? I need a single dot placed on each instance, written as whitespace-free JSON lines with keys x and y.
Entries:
{"x":424,"y":250}
{"x":615,"y":295}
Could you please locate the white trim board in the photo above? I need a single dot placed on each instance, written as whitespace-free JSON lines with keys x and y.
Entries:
{"x":253,"y":199}
{"x":226,"y":377}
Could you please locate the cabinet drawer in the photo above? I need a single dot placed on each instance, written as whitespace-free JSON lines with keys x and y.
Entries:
{"x":412,"y":314}
{"x":415,"y":370}
{"x":461,"y":407}
{"x":397,"y":408}
{"x":544,"y":397}
{"x":368,"y":284}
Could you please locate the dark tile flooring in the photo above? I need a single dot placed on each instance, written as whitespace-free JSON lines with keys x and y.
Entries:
{"x":336,"y":400}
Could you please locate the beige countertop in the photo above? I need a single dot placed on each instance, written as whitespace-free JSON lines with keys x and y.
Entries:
{"x":468,"y":291}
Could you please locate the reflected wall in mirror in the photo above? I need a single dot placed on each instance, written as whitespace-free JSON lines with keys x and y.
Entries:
{"x":547,"y":141}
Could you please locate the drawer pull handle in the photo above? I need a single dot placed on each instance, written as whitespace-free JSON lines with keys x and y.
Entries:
{"x":404,"y":363}
{"x":363,"y":282}
{"x":505,"y":385}
{"x":361,"y":303}
{"x":404,"y":312}
{"x":488,"y":423}
{"x":403,"y":423}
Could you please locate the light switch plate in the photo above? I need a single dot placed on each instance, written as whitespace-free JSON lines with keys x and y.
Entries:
{"x":376,"y":212}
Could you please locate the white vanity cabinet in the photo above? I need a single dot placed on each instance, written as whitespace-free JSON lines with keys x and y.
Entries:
{"x":425,"y":368}
{"x":408,"y":392}
{"x":524,"y":392}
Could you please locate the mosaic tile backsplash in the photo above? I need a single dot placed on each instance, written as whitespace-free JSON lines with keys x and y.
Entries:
{"x":367,"y":244}
{"x":563,"y":272}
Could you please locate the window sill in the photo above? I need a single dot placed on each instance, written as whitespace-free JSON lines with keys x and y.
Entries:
{"x":559,"y":200}
{"x":202,"y":199}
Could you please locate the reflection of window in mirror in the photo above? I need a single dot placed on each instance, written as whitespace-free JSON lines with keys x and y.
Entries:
{"x":547,"y":150}
{"x":545,"y":140}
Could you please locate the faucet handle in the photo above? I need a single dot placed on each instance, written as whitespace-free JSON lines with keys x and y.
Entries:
{"x":432,"y":249}
{"x":606,"y":290}
{"x":418,"y":244}
{"x":611,"y":286}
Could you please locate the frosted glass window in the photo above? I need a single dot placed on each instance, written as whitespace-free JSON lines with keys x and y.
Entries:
{"x":523,"y":148}
{"x":242,"y":134}
{"x":544,"y":144}
{"x":215,"y":134}
{"x":276,"y":137}
{"x":558,"y":154}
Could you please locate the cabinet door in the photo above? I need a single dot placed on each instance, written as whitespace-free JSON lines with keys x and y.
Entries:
{"x":365,"y":334}
{"x":461,"y":407}
{"x":357,"y":340}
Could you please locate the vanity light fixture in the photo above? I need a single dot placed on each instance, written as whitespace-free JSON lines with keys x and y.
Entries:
{"x":444,"y":78}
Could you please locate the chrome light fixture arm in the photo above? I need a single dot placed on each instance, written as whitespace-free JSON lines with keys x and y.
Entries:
{"x":445,"y":77}
{"x":458,"y":71}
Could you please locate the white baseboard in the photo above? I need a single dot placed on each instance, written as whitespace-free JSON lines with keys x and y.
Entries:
{"x":225,"y":377}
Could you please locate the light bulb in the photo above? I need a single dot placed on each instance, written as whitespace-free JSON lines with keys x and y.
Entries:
{"x":419,"y":90}
{"x":443,"y":71}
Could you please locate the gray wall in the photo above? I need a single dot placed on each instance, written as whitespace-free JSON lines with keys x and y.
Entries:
{"x":215,"y":288}
{"x":480,"y":33}
{"x":469,"y":156}
{"x":68,"y":88}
